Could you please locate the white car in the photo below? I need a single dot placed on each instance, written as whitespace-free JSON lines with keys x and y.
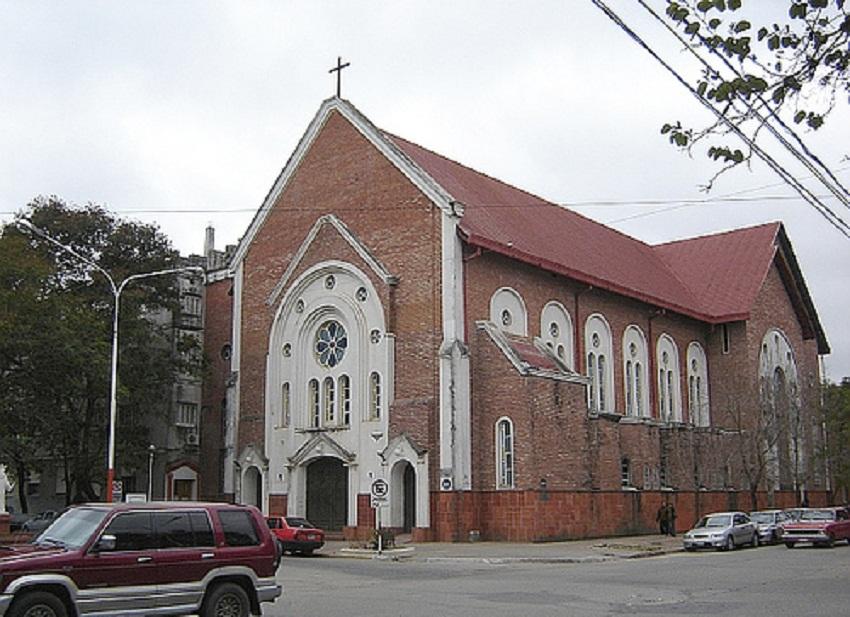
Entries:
{"x":723,"y":531}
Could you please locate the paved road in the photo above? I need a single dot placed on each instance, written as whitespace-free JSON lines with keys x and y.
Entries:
{"x":769,"y":581}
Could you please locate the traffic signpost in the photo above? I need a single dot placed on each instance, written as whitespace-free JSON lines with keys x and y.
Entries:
{"x":380,"y":492}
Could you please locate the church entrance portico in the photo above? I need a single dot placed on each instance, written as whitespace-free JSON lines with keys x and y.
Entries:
{"x":327,"y":493}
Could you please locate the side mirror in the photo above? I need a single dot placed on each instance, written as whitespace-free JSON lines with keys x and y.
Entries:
{"x":106,"y":543}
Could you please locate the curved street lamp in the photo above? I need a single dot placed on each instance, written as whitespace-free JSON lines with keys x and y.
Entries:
{"x":116,"y":293}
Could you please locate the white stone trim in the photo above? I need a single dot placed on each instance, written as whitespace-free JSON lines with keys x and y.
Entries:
{"x":429,"y":187}
{"x":364,"y":253}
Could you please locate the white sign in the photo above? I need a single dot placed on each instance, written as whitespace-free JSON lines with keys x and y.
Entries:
{"x":380,"y":491}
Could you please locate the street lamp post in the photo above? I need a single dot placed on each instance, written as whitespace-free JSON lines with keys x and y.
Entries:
{"x":151,"y":452}
{"x":113,"y":375}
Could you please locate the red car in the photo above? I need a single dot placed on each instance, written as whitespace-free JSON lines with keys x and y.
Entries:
{"x":819,"y":526}
{"x":296,"y":535}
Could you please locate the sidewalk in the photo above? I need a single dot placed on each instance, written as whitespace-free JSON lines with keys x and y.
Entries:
{"x":574,"y":551}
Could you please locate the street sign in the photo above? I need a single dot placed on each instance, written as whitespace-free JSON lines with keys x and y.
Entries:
{"x":117,"y":490}
{"x":380,"y":491}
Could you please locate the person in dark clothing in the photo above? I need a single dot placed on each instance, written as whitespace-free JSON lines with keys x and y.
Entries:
{"x":671,"y":519}
{"x":661,"y":519}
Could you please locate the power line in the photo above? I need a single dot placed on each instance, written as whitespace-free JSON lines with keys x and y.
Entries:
{"x":835,"y":220}
{"x":708,"y":201}
{"x":832,"y":183}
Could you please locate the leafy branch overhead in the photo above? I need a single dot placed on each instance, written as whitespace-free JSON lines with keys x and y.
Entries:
{"x":795,"y":67}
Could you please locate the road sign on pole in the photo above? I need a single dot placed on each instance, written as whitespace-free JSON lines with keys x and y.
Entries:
{"x":380,"y":491}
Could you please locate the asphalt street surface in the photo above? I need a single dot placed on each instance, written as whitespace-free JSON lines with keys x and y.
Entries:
{"x":768,"y":581}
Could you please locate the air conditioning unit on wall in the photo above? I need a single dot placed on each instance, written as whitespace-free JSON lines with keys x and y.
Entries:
{"x":192,"y":438}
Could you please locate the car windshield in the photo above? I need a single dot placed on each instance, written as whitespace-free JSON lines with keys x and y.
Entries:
{"x":72,"y":529}
{"x":761,"y":517}
{"x":817,"y":515}
{"x":298,"y":522}
{"x":714,"y":521}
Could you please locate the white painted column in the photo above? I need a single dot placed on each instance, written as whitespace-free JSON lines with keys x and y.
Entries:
{"x":455,"y":433}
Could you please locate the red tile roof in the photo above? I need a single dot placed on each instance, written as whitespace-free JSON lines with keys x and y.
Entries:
{"x":712,"y":278}
{"x":725,"y":271}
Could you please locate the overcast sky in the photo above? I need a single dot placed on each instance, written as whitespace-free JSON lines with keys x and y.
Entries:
{"x":183,"y":113}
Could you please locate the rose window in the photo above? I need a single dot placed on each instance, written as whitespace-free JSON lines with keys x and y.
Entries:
{"x":331,"y":343}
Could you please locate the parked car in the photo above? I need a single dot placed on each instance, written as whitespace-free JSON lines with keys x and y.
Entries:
{"x":295,"y":534}
{"x":115,"y":560}
{"x":16,"y":519}
{"x":723,"y":531}
{"x":769,"y":524}
{"x":820,"y":526}
{"x":40,"y":521}
{"x":793,"y":514}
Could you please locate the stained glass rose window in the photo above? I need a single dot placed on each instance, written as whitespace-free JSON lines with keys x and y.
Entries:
{"x":331,"y":343}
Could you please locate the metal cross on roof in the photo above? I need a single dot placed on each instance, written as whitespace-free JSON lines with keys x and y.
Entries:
{"x":338,"y":70}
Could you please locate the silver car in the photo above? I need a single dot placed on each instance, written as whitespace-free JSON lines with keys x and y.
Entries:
{"x":723,"y":531}
{"x":769,"y":524}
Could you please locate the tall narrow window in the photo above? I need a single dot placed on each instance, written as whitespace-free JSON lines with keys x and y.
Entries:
{"x":602,"y":383}
{"x":669,"y":380}
{"x":724,"y":333}
{"x":345,"y":399}
{"x":591,"y":373}
{"x":698,"y":403}
{"x":639,"y":388}
{"x":625,"y":473}
{"x":504,"y":454}
{"x":630,"y":389}
{"x":597,"y":341}
{"x":313,"y":402}
{"x":670,"y":391}
{"x":284,"y":405}
{"x":374,"y":396}
{"x":328,"y":401}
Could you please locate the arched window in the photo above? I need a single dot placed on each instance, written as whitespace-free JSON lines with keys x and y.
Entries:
{"x":313,"y":402}
{"x":374,"y":396}
{"x":597,"y":340}
{"x":507,"y":311}
{"x":345,"y":399}
{"x":781,"y":404}
{"x":285,"y":402}
{"x":669,"y":394}
{"x":556,"y":330}
{"x":635,"y":359}
{"x":504,"y":453}
{"x":328,"y":401}
{"x":698,"y":401}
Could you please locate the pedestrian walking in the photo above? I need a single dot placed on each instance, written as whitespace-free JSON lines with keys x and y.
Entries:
{"x":671,"y":519}
{"x":661,"y":519}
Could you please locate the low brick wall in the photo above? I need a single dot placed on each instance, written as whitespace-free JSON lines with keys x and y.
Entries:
{"x":540,"y":516}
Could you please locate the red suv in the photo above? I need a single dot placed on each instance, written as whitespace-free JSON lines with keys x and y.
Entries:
{"x":143,"y":559}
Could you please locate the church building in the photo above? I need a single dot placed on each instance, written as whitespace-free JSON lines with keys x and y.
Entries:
{"x":512,"y":369}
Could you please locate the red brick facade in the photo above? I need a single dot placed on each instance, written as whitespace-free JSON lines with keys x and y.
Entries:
{"x":576,"y":474}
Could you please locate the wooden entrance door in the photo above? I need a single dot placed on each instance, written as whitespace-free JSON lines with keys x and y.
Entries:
{"x":327,"y":494}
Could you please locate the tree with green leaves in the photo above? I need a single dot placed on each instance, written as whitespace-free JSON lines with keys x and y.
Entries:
{"x":55,"y":343}
{"x":836,"y":413}
{"x":778,"y":68}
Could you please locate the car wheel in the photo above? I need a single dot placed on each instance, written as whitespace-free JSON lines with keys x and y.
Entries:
{"x":307,"y":552}
{"x":789,"y":544}
{"x":830,"y":542}
{"x":226,"y":600}
{"x":755,"y":542}
{"x":281,"y":548}
{"x":38,"y":604}
{"x":690,"y":549}
{"x":730,"y":543}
